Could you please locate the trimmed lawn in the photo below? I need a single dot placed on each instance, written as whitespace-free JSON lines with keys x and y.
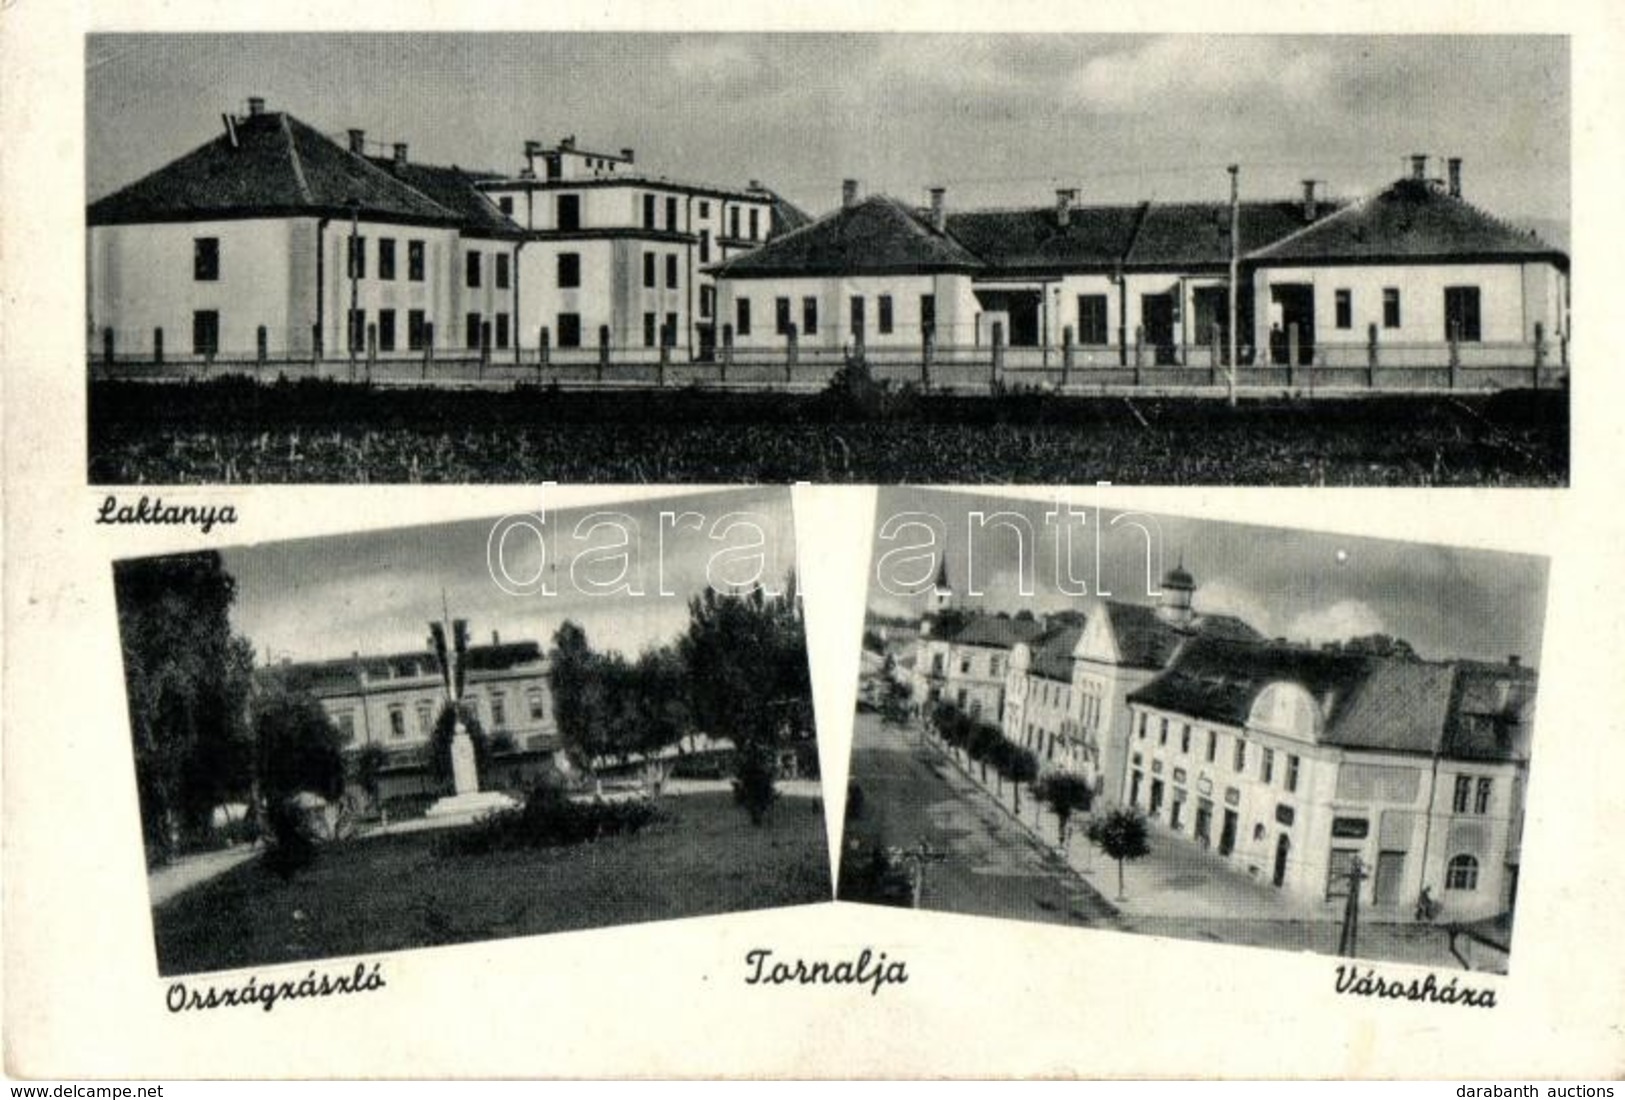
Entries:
{"x":364,"y":896}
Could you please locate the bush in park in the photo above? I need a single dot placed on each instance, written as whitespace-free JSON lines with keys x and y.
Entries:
{"x":754,"y":777}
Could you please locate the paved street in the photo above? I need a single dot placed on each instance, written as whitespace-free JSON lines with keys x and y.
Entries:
{"x":992,"y":867}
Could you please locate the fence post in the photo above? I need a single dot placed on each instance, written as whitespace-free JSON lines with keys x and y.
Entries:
{"x":603,"y":350}
{"x":998,"y":353}
{"x":1214,"y":344}
{"x":1139,"y":351}
{"x":790,"y":353}
{"x":1068,"y":352}
{"x":158,"y":345}
{"x":544,"y":351}
{"x":261,"y":345}
{"x":107,"y":345}
{"x":1371,"y":354}
{"x":1540,"y":350}
{"x":1292,"y":354}
{"x":1455,"y":352}
{"x":727,"y":350}
{"x":372,"y":348}
{"x":928,"y":349}
{"x":428,"y":343}
{"x":315,"y":345}
{"x":667,"y":336}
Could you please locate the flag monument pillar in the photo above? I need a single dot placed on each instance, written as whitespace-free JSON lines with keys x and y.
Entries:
{"x":449,"y":640}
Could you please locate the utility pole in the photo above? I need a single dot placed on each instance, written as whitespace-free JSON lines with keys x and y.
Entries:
{"x":1349,"y":944}
{"x":1235,"y":267}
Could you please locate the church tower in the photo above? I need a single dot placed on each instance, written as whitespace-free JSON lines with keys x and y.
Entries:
{"x":942,"y":595}
{"x":1178,"y":588}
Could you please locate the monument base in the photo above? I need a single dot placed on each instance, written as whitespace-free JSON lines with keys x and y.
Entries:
{"x":471,"y":805}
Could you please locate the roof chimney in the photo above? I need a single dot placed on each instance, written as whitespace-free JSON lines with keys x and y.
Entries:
{"x":626,"y":155}
{"x":755,"y":185}
{"x":1064,"y":198}
{"x":496,"y":639}
{"x":1419,"y":167}
{"x":1311,"y":208}
{"x":400,"y":154}
{"x":849,"y":194}
{"x":568,"y":143}
{"x":358,"y":142}
{"x":256,"y":105}
{"x":939,"y":209}
{"x":1515,"y":660}
{"x":1454,"y":164}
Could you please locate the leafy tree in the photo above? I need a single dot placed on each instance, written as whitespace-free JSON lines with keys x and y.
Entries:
{"x":369,"y":769}
{"x":1066,"y":793}
{"x":872,"y":641}
{"x":581,"y":706}
{"x":746,"y":661}
{"x":1123,"y":835}
{"x":187,"y":683}
{"x":1376,"y":645}
{"x":298,"y":747}
{"x":1021,"y":766}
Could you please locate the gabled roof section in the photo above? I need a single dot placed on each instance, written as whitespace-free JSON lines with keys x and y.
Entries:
{"x":995,"y":632}
{"x":1145,"y":639}
{"x":1034,"y":240}
{"x":1197,"y":234}
{"x":786,"y":216}
{"x":279,"y":167}
{"x":1052,"y":652}
{"x":1217,"y":679}
{"x":1410,"y":221}
{"x":878,"y":236}
{"x":455,"y":189}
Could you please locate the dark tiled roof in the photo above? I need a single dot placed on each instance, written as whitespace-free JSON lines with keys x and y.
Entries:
{"x":876,"y":236}
{"x":1197,"y":234}
{"x":1145,"y":640}
{"x":1411,"y":220}
{"x":995,"y":632}
{"x":1457,"y":709}
{"x":1052,"y":653}
{"x":454,"y":188}
{"x":787,"y":217}
{"x":1033,"y":239}
{"x":279,"y":167}
{"x":341,"y":675}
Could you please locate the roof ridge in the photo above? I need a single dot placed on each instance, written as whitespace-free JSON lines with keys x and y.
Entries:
{"x":1342,"y":212}
{"x":293,"y":157}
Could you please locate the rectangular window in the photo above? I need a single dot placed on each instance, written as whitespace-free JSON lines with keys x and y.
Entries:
{"x":386,"y":257}
{"x":1241,"y":755}
{"x":1345,"y":308}
{"x":671,"y":271}
{"x":346,"y":724}
{"x":705,"y":246}
{"x":472,"y":263}
{"x":414,"y":261}
{"x":501,"y":335}
{"x":471,"y":331}
{"x":536,"y":704}
{"x":1212,"y":745}
{"x":1481,"y":796}
{"x":1092,"y":320}
{"x":781,"y":316}
{"x":569,"y":330}
{"x":742,"y":316}
{"x":857,"y":315}
{"x":1185,"y":738}
{"x":426,"y":718}
{"x":648,"y":211}
{"x":928,"y":315}
{"x":671,"y":330}
{"x":206,"y":332}
{"x":733,"y":223}
{"x":505,"y":204}
{"x":648,"y":330}
{"x":1266,"y":770}
{"x":397,"y":722}
{"x":1142,"y":725}
{"x":206,"y":259}
{"x":671,"y":213}
{"x":1461,"y":317}
{"x":567,"y":212}
{"x":417,"y":334}
{"x":502,"y":274}
{"x":1291,"y":773}
{"x":705,"y":208}
{"x":386,"y":326}
{"x":649,"y":270}
{"x":708,"y":301}
{"x":809,"y":316}
{"x":1390,"y":307}
{"x":356,"y":252}
{"x":499,"y":710}
{"x":1463,"y":795}
{"x":569,"y":270}
{"x":755,"y":228}
{"x":1162,"y":732}
{"x":885,"y":314}
{"x":1212,"y":306}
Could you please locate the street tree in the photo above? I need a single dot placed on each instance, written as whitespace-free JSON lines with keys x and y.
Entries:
{"x":1124,"y":836}
{"x":1066,"y":793}
{"x":187,"y":683}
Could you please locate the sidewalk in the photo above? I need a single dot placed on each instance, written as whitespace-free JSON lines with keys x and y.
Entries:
{"x":166,"y":882}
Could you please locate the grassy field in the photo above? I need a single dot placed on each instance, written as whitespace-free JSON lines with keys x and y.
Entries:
{"x":391,"y":893}
{"x":232,"y":431}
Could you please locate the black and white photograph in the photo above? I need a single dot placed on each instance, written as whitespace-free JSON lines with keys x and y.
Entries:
{"x":437,"y":735}
{"x":1195,"y":729}
{"x":867,"y":258}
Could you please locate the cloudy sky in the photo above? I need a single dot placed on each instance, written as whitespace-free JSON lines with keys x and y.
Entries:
{"x":376,"y":592}
{"x":1301,"y":585}
{"x":998,"y":119}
